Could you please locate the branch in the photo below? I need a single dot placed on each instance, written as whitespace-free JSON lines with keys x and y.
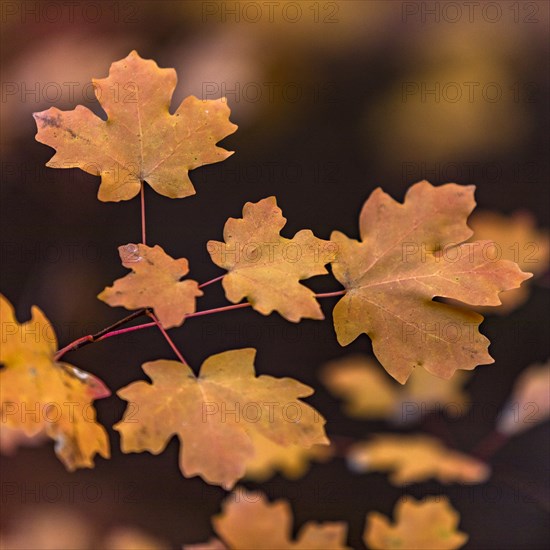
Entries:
{"x":109,"y":332}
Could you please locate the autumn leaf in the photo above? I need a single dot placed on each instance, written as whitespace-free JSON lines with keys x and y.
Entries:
{"x":366,"y":389}
{"x":140,"y":140}
{"x":53,"y":526}
{"x":292,"y":460}
{"x":266,"y":268}
{"x":249,"y":521}
{"x":517,"y":239}
{"x":369,"y":392}
{"x":428,"y":524}
{"x":217,"y":414}
{"x":39,"y":394}
{"x":155,"y":282}
{"x":409,"y":254}
{"x":425,"y":393}
{"x":530,"y":401}
{"x":416,"y":458}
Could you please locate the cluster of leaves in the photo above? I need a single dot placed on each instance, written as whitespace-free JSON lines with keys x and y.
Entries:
{"x":409,"y":254}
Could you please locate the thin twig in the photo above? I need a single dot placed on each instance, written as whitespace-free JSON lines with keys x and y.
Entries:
{"x":215,"y":280}
{"x":168,"y":339}
{"x":101,"y":335}
{"x":109,"y":332}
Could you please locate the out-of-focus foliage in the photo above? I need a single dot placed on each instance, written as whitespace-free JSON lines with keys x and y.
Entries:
{"x":415,"y":458}
{"x":249,"y":521}
{"x":529,"y":403}
{"x":428,"y":524}
{"x":368,"y":392}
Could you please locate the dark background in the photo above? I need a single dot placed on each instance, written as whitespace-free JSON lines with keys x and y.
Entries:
{"x":321,"y":154}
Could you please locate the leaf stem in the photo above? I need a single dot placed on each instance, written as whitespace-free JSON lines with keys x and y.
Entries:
{"x":143,"y":228}
{"x":109,"y":331}
{"x":125,"y":330}
{"x":101,"y":335}
{"x":218,"y":310}
{"x":168,"y":339}
{"x":215,"y":280}
{"x":330,"y":294}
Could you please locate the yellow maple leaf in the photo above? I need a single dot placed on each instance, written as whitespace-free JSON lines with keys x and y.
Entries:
{"x":140,"y":140}
{"x":409,"y":254}
{"x":428,"y":524}
{"x":215,"y":413}
{"x":249,"y":521}
{"x":39,"y":394}
{"x":265,"y":267}
{"x":415,"y":458}
{"x":155,"y":282}
{"x":291,"y":460}
{"x":369,"y":392}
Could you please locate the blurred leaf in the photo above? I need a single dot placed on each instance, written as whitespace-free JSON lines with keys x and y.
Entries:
{"x":428,"y":524}
{"x":415,"y":458}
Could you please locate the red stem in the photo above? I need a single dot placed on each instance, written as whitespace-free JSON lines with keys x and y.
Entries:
{"x":108,"y":333}
{"x":217,"y":310}
{"x":124,"y":331}
{"x":330,"y":294}
{"x":215,"y":280}
{"x":168,"y":339}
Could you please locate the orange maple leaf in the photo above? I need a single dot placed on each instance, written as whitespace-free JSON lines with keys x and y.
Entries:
{"x":409,"y":254}
{"x":155,"y":282}
{"x":430,"y":524}
{"x":249,"y":521}
{"x":140,"y":140}
{"x":265,"y":267}
{"x":414,"y":458}
{"x":216,"y":413}
{"x":41,"y":395}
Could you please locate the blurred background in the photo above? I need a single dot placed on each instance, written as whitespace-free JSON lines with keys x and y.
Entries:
{"x":332,"y":100}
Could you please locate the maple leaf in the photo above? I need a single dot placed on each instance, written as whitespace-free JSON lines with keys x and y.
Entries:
{"x":428,"y":524}
{"x":365,"y":388}
{"x":369,"y":392}
{"x":249,"y":521}
{"x":155,"y":282}
{"x":517,"y":239}
{"x":409,"y":254}
{"x":265,"y":267}
{"x":291,"y":460}
{"x":39,"y":394}
{"x":530,"y":401}
{"x":416,"y":458}
{"x":216,"y":413}
{"x":140,"y":140}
